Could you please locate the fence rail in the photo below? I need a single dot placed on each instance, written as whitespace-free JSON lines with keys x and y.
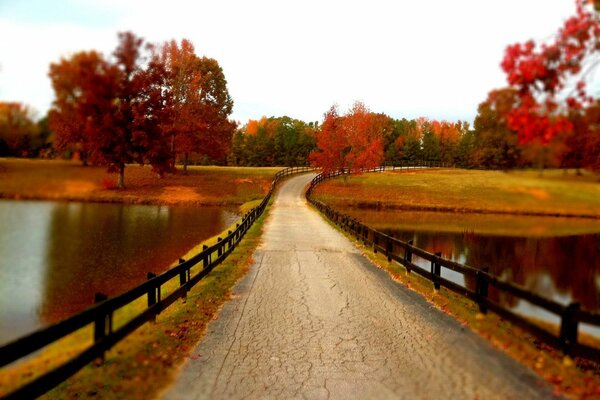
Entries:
{"x":101,"y":314}
{"x":402,"y":252}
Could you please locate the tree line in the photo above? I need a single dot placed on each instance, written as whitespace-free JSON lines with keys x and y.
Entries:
{"x":160,"y":104}
{"x":285,"y":141}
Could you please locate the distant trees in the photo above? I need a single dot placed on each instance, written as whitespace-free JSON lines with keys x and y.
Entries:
{"x":495,"y":145}
{"x":143,"y":105}
{"x":20,"y":135}
{"x":273,"y":141}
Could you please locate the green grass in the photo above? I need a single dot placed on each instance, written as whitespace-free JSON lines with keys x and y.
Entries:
{"x":146,"y":361}
{"x":456,"y":190}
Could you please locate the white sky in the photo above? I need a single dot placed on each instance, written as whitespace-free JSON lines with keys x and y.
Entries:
{"x":435,"y":58}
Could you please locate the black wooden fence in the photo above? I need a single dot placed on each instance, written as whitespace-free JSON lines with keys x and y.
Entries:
{"x":101,"y":314}
{"x":403,"y":252}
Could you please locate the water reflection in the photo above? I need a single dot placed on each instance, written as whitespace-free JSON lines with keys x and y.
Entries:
{"x":560,"y":268}
{"x":55,"y":256}
{"x":557,"y":258}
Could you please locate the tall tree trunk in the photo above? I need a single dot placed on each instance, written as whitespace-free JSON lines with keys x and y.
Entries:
{"x":121,"y":181}
{"x":542,"y":162}
{"x":185,"y":162}
{"x":173,"y":155}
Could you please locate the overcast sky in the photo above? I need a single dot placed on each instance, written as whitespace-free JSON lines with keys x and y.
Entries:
{"x":435,"y":58}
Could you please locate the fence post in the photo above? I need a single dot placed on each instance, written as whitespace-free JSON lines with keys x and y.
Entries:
{"x":568,"y":327}
{"x":388,"y":249}
{"x":220,"y":248}
{"x":229,"y":240}
{"x":375,"y":242}
{"x":100,"y":324}
{"x":408,"y":256}
{"x":205,"y":261}
{"x":482,"y":289}
{"x":436,"y":271}
{"x":183,"y":277}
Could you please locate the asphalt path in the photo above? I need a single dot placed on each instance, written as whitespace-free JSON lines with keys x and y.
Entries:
{"x":314,"y":319}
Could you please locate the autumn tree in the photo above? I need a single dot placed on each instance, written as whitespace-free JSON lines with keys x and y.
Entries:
{"x":17,"y":129}
{"x":134,"y":131}
{"x":201,"y":103}
{"x":351,"y":141}
{"x":400,"y":143}
{"x":550,"y":78}
{"x":115,"y":111}
{"x":448,"y":135}
{"x":84,"y":87}
{"x":496,"y":145}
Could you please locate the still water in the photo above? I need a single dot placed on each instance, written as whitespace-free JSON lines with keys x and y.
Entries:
{"x":55,"y":256}
{"x":558,"y":258}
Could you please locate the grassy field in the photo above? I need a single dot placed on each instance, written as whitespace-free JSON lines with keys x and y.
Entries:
{"x":66,"y":180}
{"x":455,"y":190}
{"x":147,"y":361}
{"x":575,"y":379}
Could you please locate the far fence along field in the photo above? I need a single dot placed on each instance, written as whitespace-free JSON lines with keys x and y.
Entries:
{"x":402,"y":252}
{"x":101,"y":314}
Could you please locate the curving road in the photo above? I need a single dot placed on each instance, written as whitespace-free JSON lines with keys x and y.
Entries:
{"x":314,"y":319}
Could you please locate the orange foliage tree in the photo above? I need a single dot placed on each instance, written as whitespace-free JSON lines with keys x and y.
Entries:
{"x":17,"y":129}
{"x":84,"y":86}
{"x":351,"y":141}
{"x":201,"y":103}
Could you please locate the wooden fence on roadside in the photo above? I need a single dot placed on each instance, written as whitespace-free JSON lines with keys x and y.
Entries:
{"x":403,"y":252}
{"x":101,"y":314}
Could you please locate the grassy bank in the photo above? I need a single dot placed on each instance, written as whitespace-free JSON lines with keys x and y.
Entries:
{"x":146,"y":362}
{"x":576,"y":379}
{"x":465,"y":223}
{"x":66,"y":180}
{"x":455,"y":190}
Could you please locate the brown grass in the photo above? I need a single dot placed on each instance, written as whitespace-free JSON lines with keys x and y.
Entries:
{"x":67,"y":180}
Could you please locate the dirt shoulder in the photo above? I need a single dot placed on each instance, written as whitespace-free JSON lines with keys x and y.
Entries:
{"x":70,"y":181}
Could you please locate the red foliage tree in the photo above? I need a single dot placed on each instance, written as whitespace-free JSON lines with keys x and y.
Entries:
{"x":352,"y":141}
{"x":84,"y":87}
{"x":115,"y":111}
{"x":545,"y":74}
{"x":201,"y":103}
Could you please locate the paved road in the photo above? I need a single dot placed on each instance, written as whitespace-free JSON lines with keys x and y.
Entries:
{"x":315,"y":320}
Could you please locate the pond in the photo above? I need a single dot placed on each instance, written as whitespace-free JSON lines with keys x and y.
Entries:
{"x":55,"y":256}
{"x":558,"y":258}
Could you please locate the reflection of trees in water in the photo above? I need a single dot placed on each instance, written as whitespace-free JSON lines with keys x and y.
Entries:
{"x":110,"y":248}
{"x":571,"y":262}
